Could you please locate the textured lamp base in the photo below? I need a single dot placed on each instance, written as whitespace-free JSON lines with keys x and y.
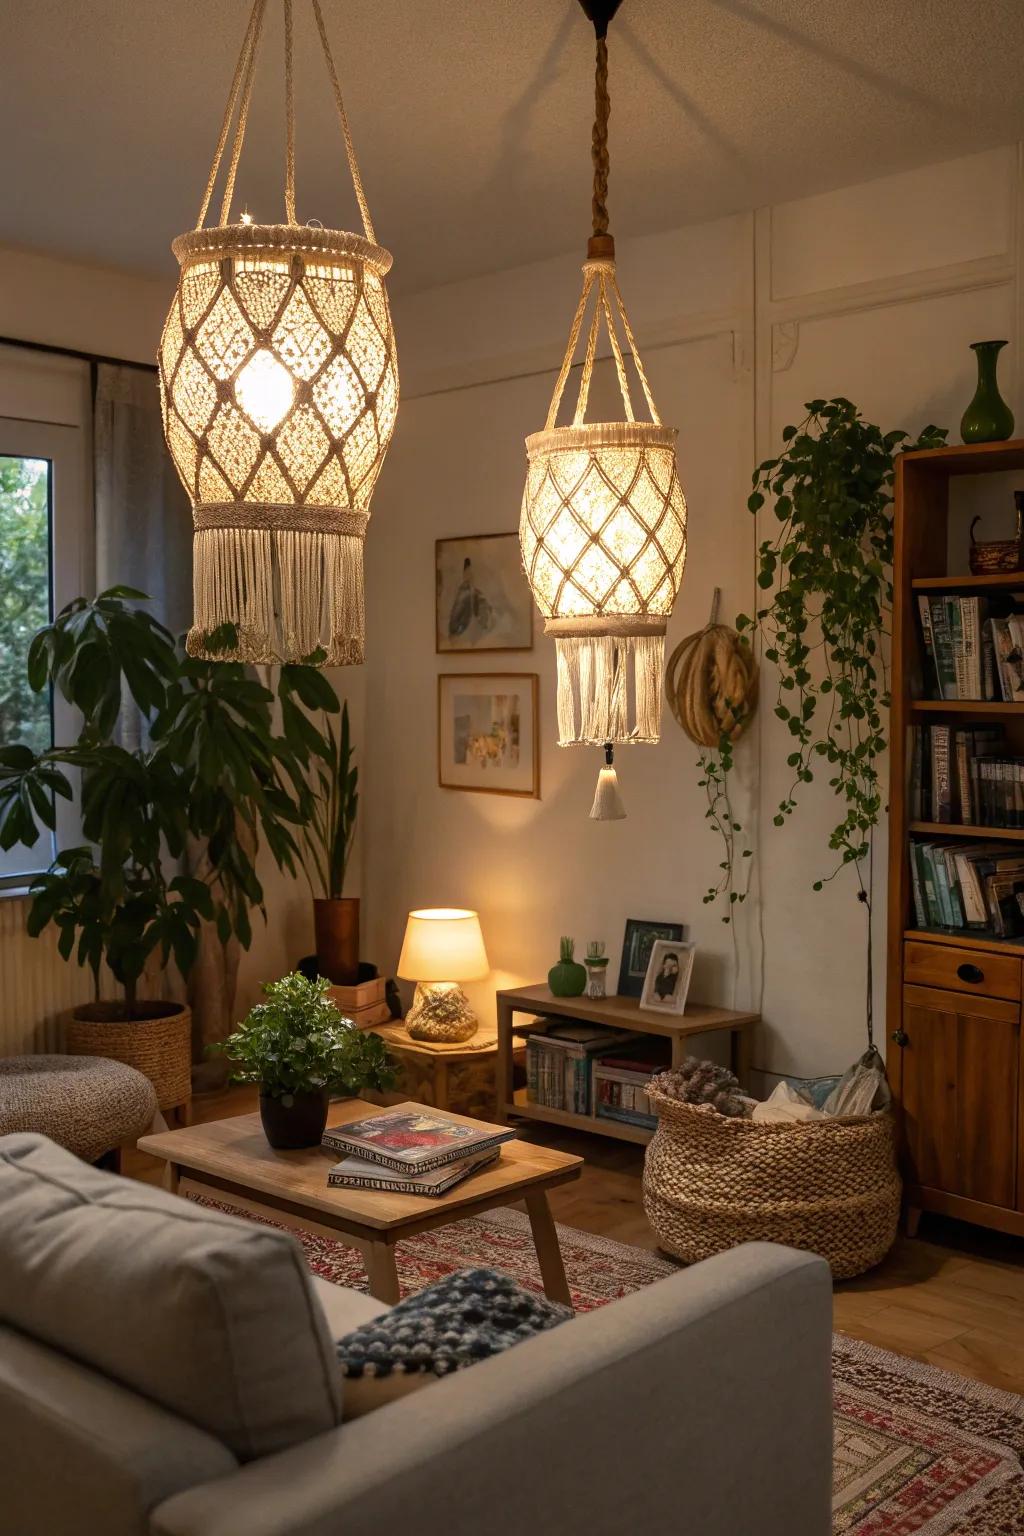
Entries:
{"x":440,"y":1011}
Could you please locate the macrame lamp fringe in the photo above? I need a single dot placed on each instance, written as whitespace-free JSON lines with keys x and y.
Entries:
{"x":287,"y":594}
{"x":609,"y":688}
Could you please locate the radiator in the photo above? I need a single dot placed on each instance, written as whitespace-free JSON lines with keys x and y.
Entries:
{"x":36,"y":985}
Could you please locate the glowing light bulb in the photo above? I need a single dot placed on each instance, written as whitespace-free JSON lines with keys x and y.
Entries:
{"x":246,"y":217}
{"x":265,"y":390}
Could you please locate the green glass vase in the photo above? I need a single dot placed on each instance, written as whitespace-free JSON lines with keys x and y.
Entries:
{"x":988,"y":418}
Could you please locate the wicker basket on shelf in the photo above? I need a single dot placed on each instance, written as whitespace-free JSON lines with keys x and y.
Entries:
{"x":159,"y":1046}
{"x":827,"y":1186}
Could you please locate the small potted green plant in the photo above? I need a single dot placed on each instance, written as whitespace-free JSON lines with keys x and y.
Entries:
{"x":300,"y":1049}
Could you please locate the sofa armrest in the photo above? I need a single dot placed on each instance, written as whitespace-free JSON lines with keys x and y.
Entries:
{"x":81,"y":1454}
{"x":701,"y":1405}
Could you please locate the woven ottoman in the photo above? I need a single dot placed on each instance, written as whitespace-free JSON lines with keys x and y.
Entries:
{"x":87,"y":1104}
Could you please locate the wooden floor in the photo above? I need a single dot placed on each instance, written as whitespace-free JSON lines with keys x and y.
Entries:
{"x":954,"y":1296}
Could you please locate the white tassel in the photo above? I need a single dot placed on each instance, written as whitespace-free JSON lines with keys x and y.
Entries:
{"x":287,"y":593}
{"x":607,"y":804}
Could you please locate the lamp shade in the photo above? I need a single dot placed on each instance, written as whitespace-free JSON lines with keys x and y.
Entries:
{"x":443,"y":944}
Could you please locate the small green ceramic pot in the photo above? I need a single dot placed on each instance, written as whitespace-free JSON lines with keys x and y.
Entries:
{"x":567,"y":978}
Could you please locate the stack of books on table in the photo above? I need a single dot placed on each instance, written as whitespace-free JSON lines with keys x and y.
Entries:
{"x":980,"y":887}
{"x":363,"y":1004}
{"x":558,"y":1063}
{"x":411,"y":1150}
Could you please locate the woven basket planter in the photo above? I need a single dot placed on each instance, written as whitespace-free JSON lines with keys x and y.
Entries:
{"x":160,"y":1046}
{"x":830,"y":1186}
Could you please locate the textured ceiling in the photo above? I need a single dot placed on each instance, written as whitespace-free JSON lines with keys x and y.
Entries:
{"x":472,"y":117}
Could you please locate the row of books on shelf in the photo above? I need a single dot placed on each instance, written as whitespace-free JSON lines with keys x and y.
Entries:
{"x":973,"y":650}
{"x":590,"y":1069}
{"x":411,"y":1150}
{"x":980,"y":887}
{"x":965,"y":776}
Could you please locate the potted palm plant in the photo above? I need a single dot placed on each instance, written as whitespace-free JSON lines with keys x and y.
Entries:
{"x":211,"y":770}
{"x":327,"y":836}
{"x":300,"y":1050}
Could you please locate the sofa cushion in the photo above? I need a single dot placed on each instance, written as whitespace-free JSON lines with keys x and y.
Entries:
{"x":210,"y":1316}
{"x":345,"y":1309}
{"x":463,"y":1318}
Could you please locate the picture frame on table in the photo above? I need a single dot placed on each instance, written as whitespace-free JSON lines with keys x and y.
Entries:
{"x":640,"y":936}
{"x":668,"y":976}
{"x":488,"y":738}
{"x":483,"y":599}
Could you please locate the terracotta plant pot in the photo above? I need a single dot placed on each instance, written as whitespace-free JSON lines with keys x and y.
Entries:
{"x":295,"y":1121}
{"x":156,"y":1042}
{"x":336,"y":925}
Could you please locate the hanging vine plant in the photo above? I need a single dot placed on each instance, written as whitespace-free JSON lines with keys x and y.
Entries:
{"x":828,"y":571}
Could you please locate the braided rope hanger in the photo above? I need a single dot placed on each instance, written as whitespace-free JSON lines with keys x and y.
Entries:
{"x":239,"y":98}
{"x":599,"y":273}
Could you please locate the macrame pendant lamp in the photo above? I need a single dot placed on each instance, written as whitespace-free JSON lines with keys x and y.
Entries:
{"x":603,"y":525}
{"x":279,"y":388}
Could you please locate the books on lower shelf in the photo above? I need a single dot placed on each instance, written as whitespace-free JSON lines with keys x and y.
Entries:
{"x":980,"y":887}
{"x":593,"y":1070}
{"x":360,"y":1173}
{"x":413,"y":1139}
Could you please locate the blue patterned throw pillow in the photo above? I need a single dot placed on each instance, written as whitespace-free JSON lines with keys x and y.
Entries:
{"x":465,"y":1317}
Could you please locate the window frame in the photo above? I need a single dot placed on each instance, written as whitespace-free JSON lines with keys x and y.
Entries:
{"x":64,"y":447}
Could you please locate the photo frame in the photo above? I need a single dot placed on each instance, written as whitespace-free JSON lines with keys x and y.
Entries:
{"x":640,"y":935}
{"x":483,"y":600}
{"x":487,"y":732}
{"x":668,"y":976}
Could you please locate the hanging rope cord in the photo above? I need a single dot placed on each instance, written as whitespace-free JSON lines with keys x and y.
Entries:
{"x":239,"y":98}
{"x":599,"y":273}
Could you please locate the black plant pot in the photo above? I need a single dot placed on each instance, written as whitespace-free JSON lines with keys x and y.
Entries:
{"x":294,"y":1121}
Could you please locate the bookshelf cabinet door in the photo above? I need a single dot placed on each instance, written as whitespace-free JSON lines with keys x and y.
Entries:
{"x":958,"y":1093}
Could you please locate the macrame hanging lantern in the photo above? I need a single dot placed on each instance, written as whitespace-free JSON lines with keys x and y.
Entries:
{"x":279,"y":388}
{"x":603,"y":524}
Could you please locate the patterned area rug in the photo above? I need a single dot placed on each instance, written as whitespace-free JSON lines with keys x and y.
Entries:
{"x":918,"y":1452}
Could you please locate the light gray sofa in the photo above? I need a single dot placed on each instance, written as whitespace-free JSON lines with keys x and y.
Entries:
{"x":168,"y":1371}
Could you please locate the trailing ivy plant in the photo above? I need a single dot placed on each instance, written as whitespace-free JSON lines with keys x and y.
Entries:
{"x":715,"y":765}
{"x":828,"y":573}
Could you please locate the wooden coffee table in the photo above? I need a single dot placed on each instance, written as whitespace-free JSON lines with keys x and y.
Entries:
{"x":231,"y":1161}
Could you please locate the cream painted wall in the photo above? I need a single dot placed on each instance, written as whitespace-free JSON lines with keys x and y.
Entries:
{"x":873,"y":292}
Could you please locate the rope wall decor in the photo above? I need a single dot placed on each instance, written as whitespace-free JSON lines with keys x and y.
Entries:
{"x":279,"y":388}
{"x":603,"y":524}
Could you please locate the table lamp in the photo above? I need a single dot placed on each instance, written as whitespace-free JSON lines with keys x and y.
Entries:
{"x":443,"y":947}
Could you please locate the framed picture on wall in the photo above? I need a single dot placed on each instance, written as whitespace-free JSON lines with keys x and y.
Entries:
{"x":640,"y":937}
{"x":487,"y":732}
{"x":668,"y":976}
{"x":484,"y":602}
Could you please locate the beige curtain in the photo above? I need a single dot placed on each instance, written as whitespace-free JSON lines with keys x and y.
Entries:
{"x":144,"y":540}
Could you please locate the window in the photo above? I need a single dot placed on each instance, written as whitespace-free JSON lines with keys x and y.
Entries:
{"x":43,"y":519}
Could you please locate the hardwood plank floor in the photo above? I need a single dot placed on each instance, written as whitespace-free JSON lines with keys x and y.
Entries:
{"x":954,"y":1296}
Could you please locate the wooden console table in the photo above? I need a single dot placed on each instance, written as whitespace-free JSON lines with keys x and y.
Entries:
{"x":616,"y":1013}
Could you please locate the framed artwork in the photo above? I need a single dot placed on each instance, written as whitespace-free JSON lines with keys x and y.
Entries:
{"x":641,"y":936}
{"x":668,"y":976}
{"x":487,"y":732}
{"x":484,"y":602}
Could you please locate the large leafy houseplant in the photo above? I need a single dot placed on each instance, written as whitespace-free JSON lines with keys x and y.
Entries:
{"x":211,"y":770}
{"x":300,"y":1049}
{"x":328,"y":832}
{"x":827,"y":573}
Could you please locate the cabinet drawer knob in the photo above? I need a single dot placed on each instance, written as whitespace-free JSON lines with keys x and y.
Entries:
{"x":968,"y":972}
{"x":900,"y":1037}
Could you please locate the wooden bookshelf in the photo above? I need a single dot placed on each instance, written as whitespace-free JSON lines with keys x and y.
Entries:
{"x":522,"y":1009}
{"x":953,"y":996}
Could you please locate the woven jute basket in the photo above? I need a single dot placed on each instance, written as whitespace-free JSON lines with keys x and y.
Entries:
{"x":828,"y":1186}
{"x":159,"y":1046}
